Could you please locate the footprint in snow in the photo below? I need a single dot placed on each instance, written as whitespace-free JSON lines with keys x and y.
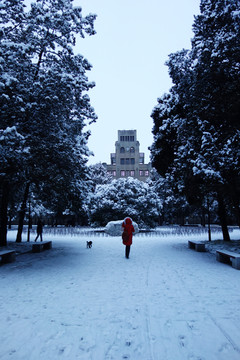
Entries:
{"x":181,"y":339}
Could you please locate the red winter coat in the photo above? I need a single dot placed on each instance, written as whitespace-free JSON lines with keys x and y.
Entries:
{"x":128,"y":226}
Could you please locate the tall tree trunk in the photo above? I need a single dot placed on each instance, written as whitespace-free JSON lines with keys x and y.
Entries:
{"x":236,"y":210}
{"x":235,"y":195}
{"x":203,"y":220}
{"x":209,"y":220}
{"x":22,"y":213}
{"x":3,"y":214}
{"x":222,"y":217}
{"x":9,"y":221}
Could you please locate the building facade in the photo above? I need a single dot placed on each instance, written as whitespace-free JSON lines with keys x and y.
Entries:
{"x":127,"y":160}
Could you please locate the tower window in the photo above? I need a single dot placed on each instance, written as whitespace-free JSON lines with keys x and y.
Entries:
{"x":122,"y":172}
{"x":132,"y":150}
{"x":122,"y":161}
{"x":132,"y":161}
{"x":126,"y":138}
{"x":122,"y":150}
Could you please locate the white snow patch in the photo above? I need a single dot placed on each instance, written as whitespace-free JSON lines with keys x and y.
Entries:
{"x":165,"y":302}
{"x":114,"y":228}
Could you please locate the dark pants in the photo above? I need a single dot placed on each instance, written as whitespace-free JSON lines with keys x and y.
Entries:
{"x":127,"y":251}
{"x":39,"y":234}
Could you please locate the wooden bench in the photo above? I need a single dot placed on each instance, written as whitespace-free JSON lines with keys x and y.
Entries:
{"x":228,"y":257}
{"x":196,"y":245}
{"x":7,"y":256}
{"x":40,"y":246}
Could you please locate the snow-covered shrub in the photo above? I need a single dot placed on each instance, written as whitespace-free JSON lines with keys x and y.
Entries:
{"x":124,"y":197}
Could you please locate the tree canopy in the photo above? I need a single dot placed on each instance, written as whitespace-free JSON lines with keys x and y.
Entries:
{"x":196,"y":126}
{"x":125,"y":197}
{"x":43,"y":96}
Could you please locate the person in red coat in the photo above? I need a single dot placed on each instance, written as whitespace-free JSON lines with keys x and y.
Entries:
{"x":128,"y":230}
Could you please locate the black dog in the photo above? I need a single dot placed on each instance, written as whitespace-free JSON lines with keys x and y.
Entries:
{"x":89,"y":244}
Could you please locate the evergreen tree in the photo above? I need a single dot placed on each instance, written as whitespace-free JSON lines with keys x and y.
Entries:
{"x":13,"y":156}
{"x":43,"y":87}
{"x":98,"y":175}
{"x":124,"y":197}
{"x":205,"y":147}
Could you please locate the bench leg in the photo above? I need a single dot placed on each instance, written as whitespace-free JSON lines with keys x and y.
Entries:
{"x":36,"y":249}
{"x":191,"y":245}
{"x":8,"y":258}
{"x":200,"y":247}
{"x":223,"y":259}
{"x":236,"y":263}
{"x":13,"y":257}
{"x":218,"y":258}
{"x":47,"y":246}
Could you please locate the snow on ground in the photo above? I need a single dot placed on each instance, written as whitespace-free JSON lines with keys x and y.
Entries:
{"x":166,"y":302}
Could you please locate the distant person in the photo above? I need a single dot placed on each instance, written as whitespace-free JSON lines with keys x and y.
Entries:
{"x":39,"y":229}
{"x":128,"y":230}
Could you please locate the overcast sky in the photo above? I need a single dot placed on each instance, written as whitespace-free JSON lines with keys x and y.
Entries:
{"x":133,"y":41}
{"x":128,"y":55}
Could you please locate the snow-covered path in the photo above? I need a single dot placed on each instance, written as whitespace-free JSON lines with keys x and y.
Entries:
{"x":165,"y":303}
